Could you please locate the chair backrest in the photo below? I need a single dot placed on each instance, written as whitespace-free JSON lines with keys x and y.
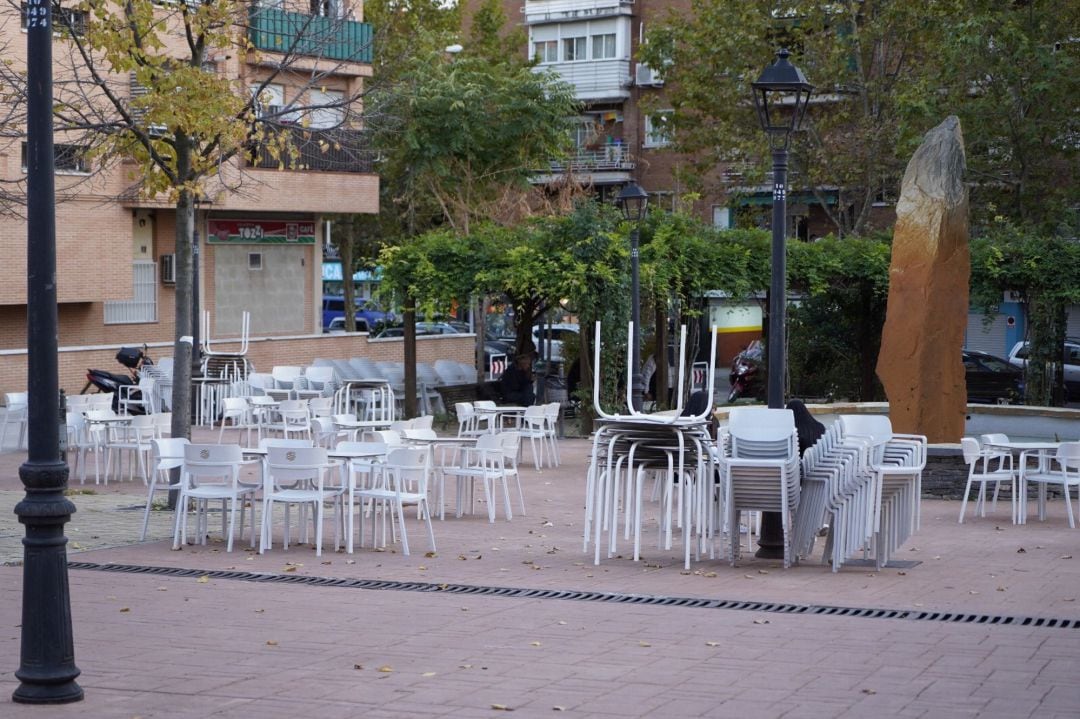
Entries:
{"x":100,"y":401}
{"x":408,"y":464}
{"x":875,"y":426}
{"x":292,"y":463}
{"x":426,"y":421}
{"x":205,"y":461}
{"x":321,"y":406}
{"x":260,"y":382}
{"x":762,"y":432}
{"x":970,"y":447}
{"x":285,"y":376}
{"x":535,"y":416}
{"x":389,"y":437}
{"x":449,"y":372}
{"x":318,"y":376}
{"x":1068,"y":455}
{"x":16,"y":400}
{"x":420,"y":433}
{"x":169,"y":453}
{"x":294,"y":407}
{"x":993,"y":438}
{"x":511,"y":444}
{"x":489,"y":442}
{"x":484,"y":404}
{"x":234,"y":405}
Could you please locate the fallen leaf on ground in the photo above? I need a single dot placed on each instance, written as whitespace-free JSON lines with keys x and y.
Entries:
{"x":125,"y":609}
{"x":535,"y":644}
{"x":760,"y":571}
{"x":761,"y":621}
{"x":203,"y":579}
{"x":1065,"y":556}
{"x":428,"y":674}
{"x":558,"y":708}
{"x":501,"y":708}
{"x":712,"y":644}
{"x":644,"y":644}
{"x":290,"y":569}
{"x":357,"y":666}
{"x":869,"y":691}
{"x":162,"y":589}
{"x":1001,"y":589}
{"x":562,"y":623}
{"x":386,"y":668}
{"x":1021,"y":551}
{"x":271,"y":642}
{"x":429,"y":555}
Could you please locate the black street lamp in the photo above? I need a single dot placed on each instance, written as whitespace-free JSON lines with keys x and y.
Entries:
{"x":47,"y":668}
{"x":781,"y":95}
{"x":633,"y":201}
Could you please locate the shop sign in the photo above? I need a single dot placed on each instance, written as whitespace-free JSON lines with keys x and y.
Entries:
{"x":245,"y":232}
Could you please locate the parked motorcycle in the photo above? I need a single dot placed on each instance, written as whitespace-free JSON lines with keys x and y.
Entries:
{"x":747,"y":376}
{"x":134,"y":359}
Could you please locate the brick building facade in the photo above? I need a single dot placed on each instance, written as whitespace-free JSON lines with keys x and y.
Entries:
{"x":115,"y":247}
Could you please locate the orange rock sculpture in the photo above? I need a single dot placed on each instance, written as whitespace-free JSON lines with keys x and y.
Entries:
{"x":920,"y":362}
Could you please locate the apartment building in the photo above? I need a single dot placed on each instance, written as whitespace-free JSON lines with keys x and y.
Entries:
{"x":261,"y":220}
{"x":593,"y":44}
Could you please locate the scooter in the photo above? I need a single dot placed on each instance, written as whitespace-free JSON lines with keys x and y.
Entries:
{"x":131,"y":357}
{"x":747,"y":376}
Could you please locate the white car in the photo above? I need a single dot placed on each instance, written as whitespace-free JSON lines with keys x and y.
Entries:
{"x":1019,"y":354}
{"x":558,"y":334}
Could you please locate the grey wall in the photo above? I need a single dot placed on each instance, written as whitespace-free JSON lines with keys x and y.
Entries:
{"x":273,"y":295}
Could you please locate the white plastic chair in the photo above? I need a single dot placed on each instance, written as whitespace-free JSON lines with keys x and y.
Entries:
{"x":485,"y":462}
{"x":84,"y":439}
{"x":534,"y":427}
{"x":236,"y":409}
{"x":15,"y":413}
{"x":168,"y":454}
{"x":133,"y":438}
{"x":143,"y":394}
{"x":210,"y":472}
{"x":294,"y":417}
{"x":300,"y":475}
{"x":1063,"y":469}
{"x":359,"y":475}
{"x":981,"y":472}
{"x":402,"y":480}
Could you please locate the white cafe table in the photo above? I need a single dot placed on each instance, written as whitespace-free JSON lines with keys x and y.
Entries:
{"x":1041,"y":452}
{"x":499,"y":414}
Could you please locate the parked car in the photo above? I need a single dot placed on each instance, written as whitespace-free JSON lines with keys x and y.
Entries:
{"x":368,"y":314}
{"x":1018,"y":356}
{"x":559,"y":333}
{"x":422,"y":328}
{"x":991,"y":379}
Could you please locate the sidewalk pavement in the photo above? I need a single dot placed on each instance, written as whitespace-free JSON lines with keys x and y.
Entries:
{"x":153,"y":645}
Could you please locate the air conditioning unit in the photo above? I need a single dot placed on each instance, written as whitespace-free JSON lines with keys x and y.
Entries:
{"x":645,"y":76}
{"x":168,"y":269}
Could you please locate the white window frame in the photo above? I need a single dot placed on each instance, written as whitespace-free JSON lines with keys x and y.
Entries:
{"x":546,"y":52}
{"x":653,"y":138}
{"x":142,"y":308}
{"x":580,"y":52}
{"x":609,"y":46}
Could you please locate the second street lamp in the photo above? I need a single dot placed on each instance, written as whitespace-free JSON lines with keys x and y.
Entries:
{"x":781,"y":95}
{"x":633,"y":202}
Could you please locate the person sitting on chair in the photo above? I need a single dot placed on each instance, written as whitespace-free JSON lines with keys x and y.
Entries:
{"x":517,"y":382}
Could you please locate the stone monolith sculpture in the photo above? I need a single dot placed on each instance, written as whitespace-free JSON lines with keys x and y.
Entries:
{"x":920,"y":362}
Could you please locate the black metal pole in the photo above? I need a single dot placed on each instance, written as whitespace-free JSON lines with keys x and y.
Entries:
{"x":196,"y":310}
{"x":637,"y":390}
{"x":771,"y":542}
{"x":47,"y":668}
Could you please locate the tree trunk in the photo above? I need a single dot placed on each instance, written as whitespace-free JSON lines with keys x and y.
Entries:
{"x":345,"y":252}
{"x":585,"y":379}
{"x":480,"y":327}
{"x":182,"y":349}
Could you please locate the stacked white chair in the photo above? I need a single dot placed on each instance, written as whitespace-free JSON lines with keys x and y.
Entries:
{"x":761,"y":473}
{"x":897,"y":462}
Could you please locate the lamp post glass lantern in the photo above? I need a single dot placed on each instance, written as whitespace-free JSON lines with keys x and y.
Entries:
{"x":633,"y":201}
{"x":781,"y":95}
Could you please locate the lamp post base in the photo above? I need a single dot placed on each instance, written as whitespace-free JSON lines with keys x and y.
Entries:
{"x":771,"y":542}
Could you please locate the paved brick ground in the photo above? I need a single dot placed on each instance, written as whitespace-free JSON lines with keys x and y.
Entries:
{"x":156,"y":646}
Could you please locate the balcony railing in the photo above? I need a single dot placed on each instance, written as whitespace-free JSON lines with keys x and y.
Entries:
{"x":607,"y":159}
{"x":275,"y":30}
{"x":317,"y":151}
